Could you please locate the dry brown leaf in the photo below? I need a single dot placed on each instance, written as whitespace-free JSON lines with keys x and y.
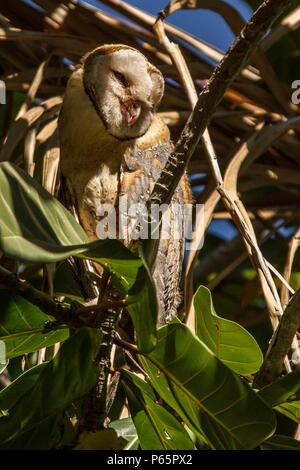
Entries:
{"x":18,"y":130}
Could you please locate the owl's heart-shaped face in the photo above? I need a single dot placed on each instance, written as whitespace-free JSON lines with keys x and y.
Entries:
{"x":124,"y":88}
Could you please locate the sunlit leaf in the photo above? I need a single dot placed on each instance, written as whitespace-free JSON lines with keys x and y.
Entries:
{"x":125,"y":428}
{"x":229,"y":341}
{"x":212,"y":400}
{"x":157,"y":429}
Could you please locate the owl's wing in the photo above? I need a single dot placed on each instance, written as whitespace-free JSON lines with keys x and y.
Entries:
{"x":79,"y":267}
{"x":141,"y":171}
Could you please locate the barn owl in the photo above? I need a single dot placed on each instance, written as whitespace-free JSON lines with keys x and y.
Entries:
{"x":114,"y":145}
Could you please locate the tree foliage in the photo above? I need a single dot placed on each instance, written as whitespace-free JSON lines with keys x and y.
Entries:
{"x":190,"y":384}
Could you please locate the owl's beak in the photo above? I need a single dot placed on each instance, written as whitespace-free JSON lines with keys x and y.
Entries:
{"x":131,"y":110}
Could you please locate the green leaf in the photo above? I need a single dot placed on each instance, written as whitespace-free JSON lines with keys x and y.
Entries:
{"x":212,"y":400}
{"x":120,"y":397}
{"x":18,"y":320}
{"x":105,"y":439}
{"x":230,"y":342}
{"x":132,"y":278}
{"x":24,"y":383}
{"x":125,"y":428}
{"x":284,"y":388}
{"x":36,"y":228}
{"x":65,"y":284}
{"x":32,"y":418}
{"x":157,"y":429}
{"x":278,"y":442}
{"x":291,"y":410}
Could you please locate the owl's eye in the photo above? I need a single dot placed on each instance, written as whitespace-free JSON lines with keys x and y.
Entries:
{"x":120,"y":77}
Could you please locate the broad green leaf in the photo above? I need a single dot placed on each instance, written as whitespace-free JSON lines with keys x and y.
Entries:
{"x":18,"y":320}
{"x":287,"y":387}
{"x":212,"y":400}
{"x":10,"y":395}
{"x":132,"y":278}
{"x":157,"y":429}
{"x":290,"y":409}
{"x":36,"y":228}
{"x":32,"y":421}
{"x":65,"y":284}
{"x":278,"y":442}
{"x":120,"y":397}
{"x":230,"y":342}
{"x":125,"y":428}
{"x":105,"y":439}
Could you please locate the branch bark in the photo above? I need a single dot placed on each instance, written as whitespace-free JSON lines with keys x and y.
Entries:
{"x":75,"y":316}
{"x":280,"y":346}
{"x":36,"y":297}
{"x":232,"y":63}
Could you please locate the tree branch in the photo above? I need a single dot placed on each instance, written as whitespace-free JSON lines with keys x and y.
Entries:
{"x":36,"y":297}
{"x":281,"y":343}
{"x":75,"y":316}
{"x":232,"y":63}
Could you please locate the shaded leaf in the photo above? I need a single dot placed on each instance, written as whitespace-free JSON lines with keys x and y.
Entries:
{"x":284,"y":388}
{"x":105,"y":439}
{"x":132,"y":278}
{"x":20,"y":316}
{"x":278,"y":442}
{"x":230,"y":342}
{"x":24,"y":383}
{"x":64,"y":282}
{"x":212,"y":400}
{"x":32,"y":418}
{"x":291,"y":410}
{"x":157,"y":429}
{"x":125,"y":428}
{"x":36,"y":228}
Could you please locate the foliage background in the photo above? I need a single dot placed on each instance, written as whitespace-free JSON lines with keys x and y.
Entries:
{"x":41,"y":41}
